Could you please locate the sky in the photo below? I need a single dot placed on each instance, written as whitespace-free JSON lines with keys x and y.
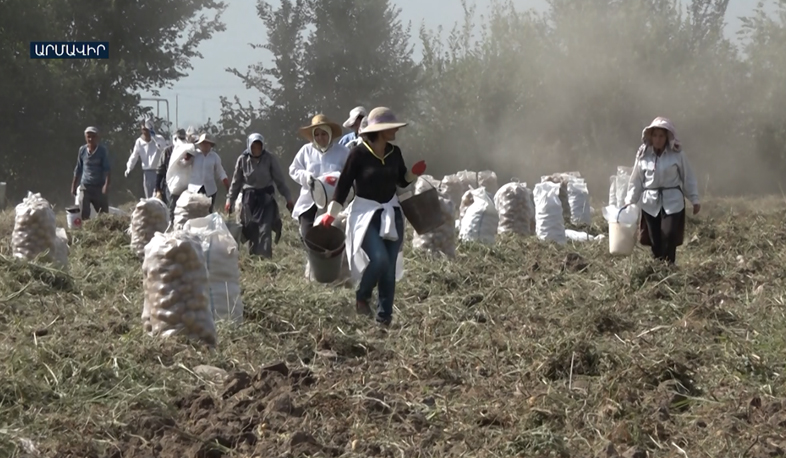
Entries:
{"x":195,"y":98}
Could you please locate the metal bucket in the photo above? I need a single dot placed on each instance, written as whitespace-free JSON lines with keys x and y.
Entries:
{"x":423,"y":210}
{"x":236,"y":230}
{"x":325,"y":247}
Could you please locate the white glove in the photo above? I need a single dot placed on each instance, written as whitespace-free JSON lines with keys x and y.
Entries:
{"x":128,"y":172}
{"x":310,"y":180}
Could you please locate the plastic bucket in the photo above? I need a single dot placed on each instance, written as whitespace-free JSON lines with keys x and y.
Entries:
{"x":622,"y":237}
{"x":423,"y":210}
{"x":74,"y":217}
{"x":325,"y":247}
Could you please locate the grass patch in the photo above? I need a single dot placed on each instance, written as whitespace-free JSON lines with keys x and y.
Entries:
{"x":521,"y":349}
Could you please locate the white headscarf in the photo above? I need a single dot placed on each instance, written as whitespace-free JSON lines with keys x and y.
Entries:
{"x":314,"y":136}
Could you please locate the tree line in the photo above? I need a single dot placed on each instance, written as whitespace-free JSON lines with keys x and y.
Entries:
{"x":518,"y":92}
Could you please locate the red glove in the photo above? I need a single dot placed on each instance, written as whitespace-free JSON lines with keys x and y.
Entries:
{"x":228,"y":208}
{"x":326,"y":220}
{"x":419,"y":168}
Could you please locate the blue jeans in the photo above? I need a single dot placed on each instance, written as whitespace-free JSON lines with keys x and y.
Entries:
{"x":381,"y":270}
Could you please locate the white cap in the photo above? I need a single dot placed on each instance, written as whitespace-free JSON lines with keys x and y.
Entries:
{"x":91,"y":130}
{"x":354,"y":115}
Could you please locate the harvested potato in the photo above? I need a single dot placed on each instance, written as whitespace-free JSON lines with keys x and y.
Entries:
{"x":149,"y":216}
{"x":516,"y":209}
{"x":35,"y":232}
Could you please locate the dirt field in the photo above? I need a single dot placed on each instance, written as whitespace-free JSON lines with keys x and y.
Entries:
{"x":524,"y":349}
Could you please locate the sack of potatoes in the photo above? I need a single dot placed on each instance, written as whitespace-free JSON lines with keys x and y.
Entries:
{"x":35,"y":232}
{"x":175,"y":287}
{"x":149,"y":216}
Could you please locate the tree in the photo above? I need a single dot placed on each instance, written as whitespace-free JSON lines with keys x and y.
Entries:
{"x":357,"y":52}
{"x":52,"y":101}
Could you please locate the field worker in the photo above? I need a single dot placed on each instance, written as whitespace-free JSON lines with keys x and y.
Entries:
{"x":91,"y":175}
{"x":662,"y":178}
{"x":178,"y":168}
{"x":207,"y":171}
{"x":356,"y":116}
{"x":147,"y":148}
{"x":375,"y":224}
{"x":256,"y":173}
{"x":163,"y":164}
{"x":320,"y":156}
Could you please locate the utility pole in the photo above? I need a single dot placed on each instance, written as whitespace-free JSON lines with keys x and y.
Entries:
{"x":203,"y":110}
{"x":177,"y":112}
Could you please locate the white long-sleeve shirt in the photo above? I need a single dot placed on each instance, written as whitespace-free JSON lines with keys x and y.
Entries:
{"x":661,"y":181}
{"x":311,"y":161}
{"x":148,"y":152}
{"x":207,"y":171}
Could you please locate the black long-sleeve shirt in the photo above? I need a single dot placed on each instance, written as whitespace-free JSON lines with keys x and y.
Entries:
{"x":375,"y":179}
{"x":163,"y":166}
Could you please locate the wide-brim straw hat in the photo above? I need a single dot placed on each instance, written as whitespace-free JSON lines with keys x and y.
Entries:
{"x":321,"y":120}
{"x":380,"y":118}
{"x":660,"y":123}
{"x":205,"y":139}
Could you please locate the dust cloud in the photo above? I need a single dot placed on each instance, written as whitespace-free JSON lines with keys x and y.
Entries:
{"x":582,"y":80}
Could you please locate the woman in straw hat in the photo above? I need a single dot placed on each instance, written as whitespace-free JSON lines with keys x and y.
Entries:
{"x":375,"y":224}
{"x":321,"y":155}
{"x":662,"y":178}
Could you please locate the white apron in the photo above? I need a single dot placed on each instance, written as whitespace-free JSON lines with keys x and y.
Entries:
{"x":360,"y":212}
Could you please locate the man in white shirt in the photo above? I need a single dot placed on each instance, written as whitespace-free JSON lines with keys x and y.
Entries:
{"x":207,"y":171}
{"x":147,"y":150}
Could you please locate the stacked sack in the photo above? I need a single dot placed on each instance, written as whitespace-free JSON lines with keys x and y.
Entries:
{"x":562,"y":179}
{"x":579,"y":201}
{"x":36,"y":232}
{"x":619,"y":186}
{"x":222,"y":260}
{"x":480,"y":222}
{"x":149,"y":216}
{"x":488,"y":179}
{"x":175,"y":285}
{"x":191,"y":205}
{"x":454,"y":187}
{"x":549,"y":219}
{"x":466,"y":201}
{"x":516,"y":209}
{"x":441,"y":241}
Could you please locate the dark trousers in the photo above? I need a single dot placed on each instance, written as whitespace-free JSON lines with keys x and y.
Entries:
{"x":172,"y":205}
{"x":260,"y":236}
{"x":93,"y":195}
{"x":306,"y":220}
{"x":665,"y":232}
{"x":212,"y":198}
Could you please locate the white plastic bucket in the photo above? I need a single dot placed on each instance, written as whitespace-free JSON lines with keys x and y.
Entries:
{"x":623,"y":228}
{"x":74,"y":218}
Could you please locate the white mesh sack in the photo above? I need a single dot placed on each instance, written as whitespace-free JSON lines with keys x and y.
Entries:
{"x":149,"y":216}
{"x":35,"y":233}
{"x":578,"y":199}
{"x":516,"y":209}
{"x":441,"y":241}
{"x":481,"y":219}
{"x":175,"y":285}
{"x":191,"y":205}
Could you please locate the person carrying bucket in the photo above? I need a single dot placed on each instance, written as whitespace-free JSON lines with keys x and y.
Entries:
{"x":256,"y":173}
{"x":662,"y":178}
{"x":321,"y":155}
{"x":375,"y":224}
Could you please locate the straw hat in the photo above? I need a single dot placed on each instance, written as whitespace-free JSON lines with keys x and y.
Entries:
{"x":661,"y":123}
{"x":205,"y":139}
{"x":380,"y":118}
{"x":317,"y":121}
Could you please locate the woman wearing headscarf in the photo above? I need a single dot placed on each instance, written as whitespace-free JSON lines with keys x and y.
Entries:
{"x":257,"y":175}
{"x":662,"y":179}
{"x":321,"y":155}
{"x":375,"y":222}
